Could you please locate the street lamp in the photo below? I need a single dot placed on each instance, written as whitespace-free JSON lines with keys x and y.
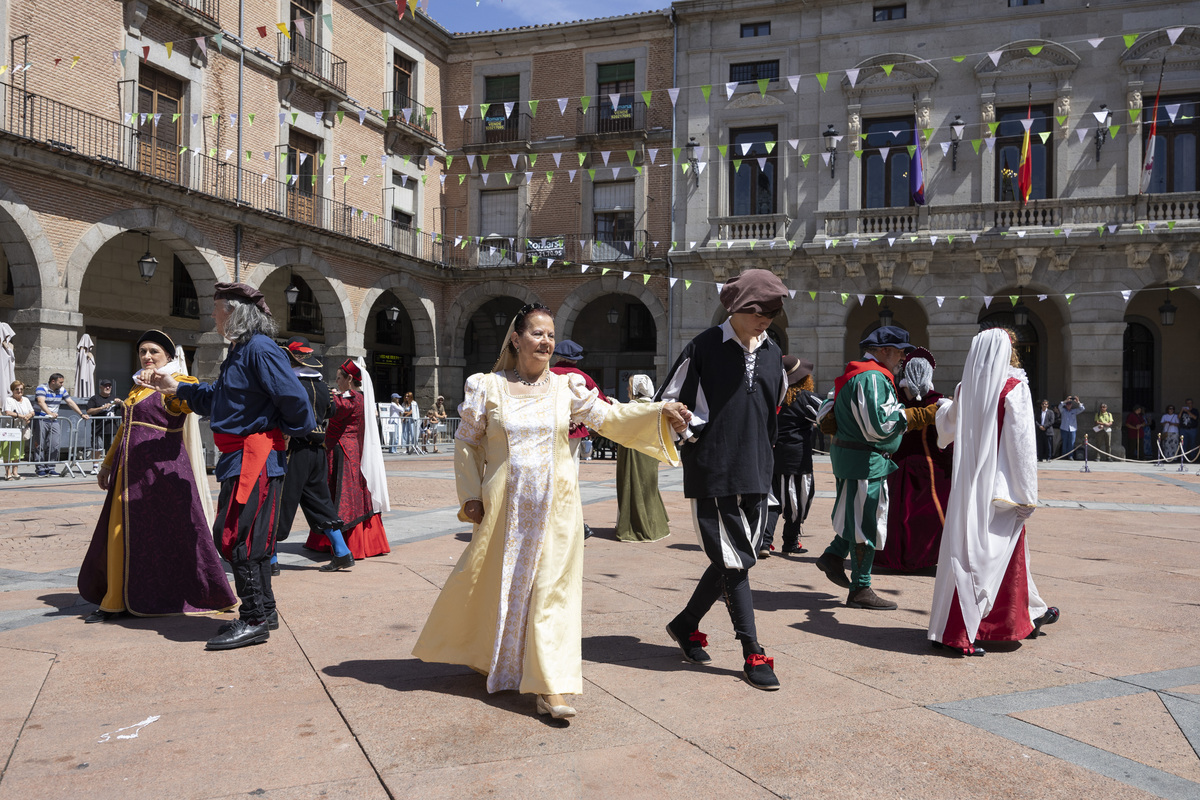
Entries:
{"x":693,"y":162}
{"x":886,"y":317}
{"x":613,"y":316}
{"x":392,"y":315}
{"x":1020,"y":314}
{"x":1104,"y":119}
{"x":147,"y":263}
{"x":956,"y":134}
{"x":1166,"y":313}
{"x":831,"y":141}
{"x":500,"y":319}
{"x":292,"y":292}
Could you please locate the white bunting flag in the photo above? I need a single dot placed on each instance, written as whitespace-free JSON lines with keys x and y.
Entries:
{"x":1020,"y":234}
{"x":557,"y":159}
{"x":583,"y":267}
{"x":945,"y":148}
{"x":300,"y":26}
{"x":1067,"y":233}
{"x":652,"y":153}
{"x":987,"y":301}
{"x":795,"y":143}
{"x":940,"y":300}
{"x":508,"y":108}
{"x":932,"y":240}
{"x":1125,"y":294}
{"x":674,"y":95}
{"x":791,"y":292}
{"x":1172,"y":110}
{"x":825,"y":158}
{"x":624,"y":275}
{"x":615,"y":100}
{"x":852,"y":74}
{"x":891,"y":240}
{"x":1042,"y":298}
{"x":794,"y":82}
{"x":1081,"y":133}
{"x":974,"y":237}
{"x":484,"y":176}
{"x":462,"y":112}
{"x":1095,"y":42}
{"x":604,"y":154}
{"x":571,"y":175}
{"x":995,"y":56}
{"x":720,"y":286}
{"x":862,"y":299}
{"x":730,"y":88}
{"x":1173,"y":34}
{"x":671,"y":282}
{"x":562,"y":106}
{"x":883,"y":153}
{"x":513,"y":157}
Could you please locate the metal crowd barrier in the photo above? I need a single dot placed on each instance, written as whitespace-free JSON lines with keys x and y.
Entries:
{"x":69,"y":446}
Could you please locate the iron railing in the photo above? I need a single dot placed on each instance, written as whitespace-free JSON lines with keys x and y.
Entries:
{"x":495,"y":127}
{"x":305,"y":55}
{"x":406,"y":112}
{"x":470,"y":251}
{"x":627,"y":117}
{"x":66,"y":128}
{"x":210,"y":9}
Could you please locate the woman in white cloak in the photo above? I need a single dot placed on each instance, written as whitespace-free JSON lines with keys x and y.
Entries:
{"x":984,"y":590}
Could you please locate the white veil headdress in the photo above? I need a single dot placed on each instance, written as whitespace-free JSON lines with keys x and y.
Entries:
{"x":193,"y":443}
{"x":372,"y":450}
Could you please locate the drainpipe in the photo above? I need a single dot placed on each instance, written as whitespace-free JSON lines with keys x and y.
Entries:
{"x":237,"y":238}
{"x":674,"y":117}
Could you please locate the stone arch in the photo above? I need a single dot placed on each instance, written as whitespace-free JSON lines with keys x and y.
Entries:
{"x":30,"y":256}
{"x":908,"y":74}
{"x":1147,"y":52}
{"x":466,"y":303}
{"x":328,"y":290}
{"x":585,"y":293}
{"x":417,"y":305}
{"x":1018,"y":64}
{"x":910,"y":313}
{"x":203,"y":262}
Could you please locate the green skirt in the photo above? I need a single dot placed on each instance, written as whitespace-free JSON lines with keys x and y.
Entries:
{"x":641,"y":515}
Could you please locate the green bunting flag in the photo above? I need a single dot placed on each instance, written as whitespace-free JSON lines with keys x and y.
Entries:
{"x":1171,"y":225}
{"x":1012,"y":298}
{"x":1061,"y":120}
{"x":449,"y":161}
{"x":687,"y":284}
{"x":737,"y":164}
{"x":385,"y":113}
{"x":549,"y":177}
{"x":958,"y":59}
{"x":722,"y":149}
{"x":675,"y":151}
{"x":927,"y":133}
{"x":823,"y":79}
{"x":1113,"y":130}
{"x":912,"y":148}
{"x":992,"y":126}
{"x":1134,"y":113}
{"x":975,"y":143}
{"x":532,"y":160}
{"x":857,"y":153}
{"x":584,"y":102}
{"x":604,"y":271}
{"x":706,"y":90}
{"x":341,"y":115}
{"x":533,"y":104}
{"x":1037,"y":48}
{"x":1070,"y":297}
{"x":592,"y":175}
{"x":812,"y":295}
{"x":804,"y":157}
{"x":483,"y":109}
{"x":770,"y":147}
{"x":632,"y":154}
{"x":508,"y":177}
{"x":1044,"y":135}
{"x":845,"y":297}
{"x":582,"y":158}
{"x":483,"y":160}
{"x":762,"y":86}
{"x":879,"y":299}
{"x":950,"y":238}
{"x":645,"y":278}
{"x":1130,"y":38}
{"x":887,"y":69}
{"x":1141,"y":228}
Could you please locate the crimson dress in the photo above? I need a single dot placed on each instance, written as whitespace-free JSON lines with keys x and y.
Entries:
{"x":918,"y":492}
{"x":364,"y":532}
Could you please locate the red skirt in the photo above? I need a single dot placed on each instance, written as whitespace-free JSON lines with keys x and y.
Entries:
{"x":1009,"y":620}
{"x":366,"y":539}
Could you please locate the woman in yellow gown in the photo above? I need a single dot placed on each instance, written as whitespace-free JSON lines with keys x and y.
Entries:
{"x":512,"y":607}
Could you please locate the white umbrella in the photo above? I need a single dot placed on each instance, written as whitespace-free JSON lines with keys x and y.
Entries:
{"x":85,"y":368}
{"x":8,"y":360}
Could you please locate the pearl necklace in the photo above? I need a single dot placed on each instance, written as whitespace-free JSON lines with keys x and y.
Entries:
{"x":545,"y":377}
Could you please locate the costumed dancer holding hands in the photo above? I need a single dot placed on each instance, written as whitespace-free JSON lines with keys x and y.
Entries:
{"x":867,"y":422}
{"x":984,"y":590}
{"x":512,"y":607}
{"x":254,"y":402}
{"x":792,"y":482}
{"x":155,"y":469}
{"x":732,"y":377}
{"x":357,"y":479}
{"x":306,"y":484}
{"x":641,"y":515}
{"x":920,"y":486}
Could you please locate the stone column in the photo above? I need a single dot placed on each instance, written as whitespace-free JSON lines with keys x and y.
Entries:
{"x":949,"y":343}
{"x":1094,"y":352}
{"x":44,"y":343}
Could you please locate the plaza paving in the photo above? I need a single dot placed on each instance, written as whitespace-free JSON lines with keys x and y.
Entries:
{"x":1107,"y":705}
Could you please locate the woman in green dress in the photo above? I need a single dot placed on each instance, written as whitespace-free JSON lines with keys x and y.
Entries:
{"x":641,"y":516}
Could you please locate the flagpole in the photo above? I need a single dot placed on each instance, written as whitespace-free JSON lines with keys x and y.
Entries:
{"x":1148,"y":157}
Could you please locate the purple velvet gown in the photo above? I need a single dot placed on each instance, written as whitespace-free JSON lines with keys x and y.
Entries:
{"x":171,"y":565}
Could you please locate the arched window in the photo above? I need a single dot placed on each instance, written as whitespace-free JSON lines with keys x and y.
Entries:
{"x":1137,"y":367}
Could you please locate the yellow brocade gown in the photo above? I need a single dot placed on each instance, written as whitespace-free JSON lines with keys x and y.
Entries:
{"x":512,"y":607}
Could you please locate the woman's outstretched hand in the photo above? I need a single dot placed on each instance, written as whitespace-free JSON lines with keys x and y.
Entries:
{"x":678,"y":415}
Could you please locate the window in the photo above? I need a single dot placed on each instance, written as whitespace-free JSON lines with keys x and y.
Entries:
{"x":1176,"y":167}
{"x":402,"y":83}
{"x":640,"y":331}
{"x":612,"y":212}
{"x":497,"y":224}
{"x":615,"y":79}
{"x":183,"y":293}
{"x":1019,"y":3}
{"x":498,"y":124}
{"x":753,"y":71}
{"x":305,"y":10}
{"x":885,"y":13}
{"x":1009,"y":138}
{"x":752,"y":29}
{"x":752,"y":171}
{"x":886,"y":162}
{"x":159,"y":97}
{"x":301,"y":162}
{"x":404,"y":199}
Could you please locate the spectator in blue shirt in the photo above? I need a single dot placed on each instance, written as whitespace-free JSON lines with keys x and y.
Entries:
{"x":1069,"y":410}
{"x":50,"y":396}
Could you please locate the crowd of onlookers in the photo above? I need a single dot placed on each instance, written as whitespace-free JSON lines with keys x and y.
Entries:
{"x":1061,"y":432}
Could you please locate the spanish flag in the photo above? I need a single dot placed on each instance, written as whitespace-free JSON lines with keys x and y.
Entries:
{"x":1025,"y":171}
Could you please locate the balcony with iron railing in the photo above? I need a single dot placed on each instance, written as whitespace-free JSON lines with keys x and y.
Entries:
{"x":472,"y":252}
{"x":312,"y":64}
{"x":626,"y":119}
{"x":407,"y":116}
{"x":201,"y":15}
{"x":498,"y":128}
{"x":749,"y":227}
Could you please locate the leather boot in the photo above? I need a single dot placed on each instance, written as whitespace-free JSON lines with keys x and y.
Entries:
{"x":834,"y":569}
{"x":865,"y":597}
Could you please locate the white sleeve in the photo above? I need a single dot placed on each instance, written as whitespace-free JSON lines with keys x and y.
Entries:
{"x":947,"y":420}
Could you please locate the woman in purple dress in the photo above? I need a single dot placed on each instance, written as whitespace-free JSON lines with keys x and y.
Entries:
{"x":135,"y":564}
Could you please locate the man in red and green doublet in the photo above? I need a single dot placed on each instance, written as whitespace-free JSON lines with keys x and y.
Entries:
{"x":870,"y":423}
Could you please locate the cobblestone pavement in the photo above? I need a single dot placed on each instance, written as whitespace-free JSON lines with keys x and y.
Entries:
{"x":1106,"y":705}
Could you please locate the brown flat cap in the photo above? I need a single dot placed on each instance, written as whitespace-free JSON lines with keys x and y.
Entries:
{"x":240,"y":291}
{"x":754,"y":291}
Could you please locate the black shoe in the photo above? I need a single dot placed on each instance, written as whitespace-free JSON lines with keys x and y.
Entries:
{"x":834,"y":569}
{"x":103,"y":616}
{"x":339,"y":563}
{"x":239,"y":634}
{"x":969,"y":650}
{"x":1049,"y":618}
{"x":587,"y":531}
{"x":273,"y":620}
{"x":865,"y":597}
{"x":692,"y":643}
{"x":793,"y":549}
{"x":274,"y":569}
{"x":760,"y":671}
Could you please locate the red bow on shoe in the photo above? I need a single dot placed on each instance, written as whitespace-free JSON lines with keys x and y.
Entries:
{"x":699,"y":638}
{"x":754,"y":659}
